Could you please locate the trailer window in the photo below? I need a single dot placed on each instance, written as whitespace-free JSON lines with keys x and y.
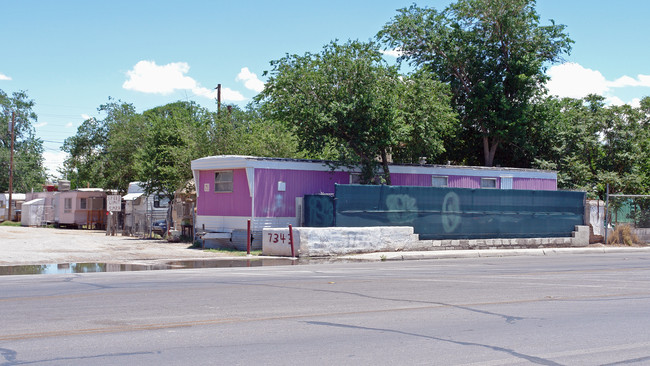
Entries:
{"x":439,"y":181}
{"x":223,"y":181}
{"x":488,"y":182}
{"x":82,"y":203}
{"x":67,"y":204}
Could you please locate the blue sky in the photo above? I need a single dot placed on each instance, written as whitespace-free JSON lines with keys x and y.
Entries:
{"x":71,"y":56}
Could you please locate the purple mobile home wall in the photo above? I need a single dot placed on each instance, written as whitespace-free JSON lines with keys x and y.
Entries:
{"x":534,"y":184}
{"x":459,"y":181}
{"x":401,"y":179}
{"x":235,"y":203}
{"x":270,"y":202}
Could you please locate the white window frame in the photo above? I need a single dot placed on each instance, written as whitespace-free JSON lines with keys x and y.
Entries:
{"x":67,"y":204}
{"x":433,"y":177}
{"x":489,"y":180}
{"x":223,"y":186}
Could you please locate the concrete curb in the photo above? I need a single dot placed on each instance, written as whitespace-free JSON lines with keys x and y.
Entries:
{"x":482,"y":253}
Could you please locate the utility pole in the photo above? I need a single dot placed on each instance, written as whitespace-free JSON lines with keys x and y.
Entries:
{"x":218,"y":98}
{"x":11,"y":163}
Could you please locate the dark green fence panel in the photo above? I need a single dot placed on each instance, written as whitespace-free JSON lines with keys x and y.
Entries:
{"x":318,"y":210}
{"x":461,"y":213}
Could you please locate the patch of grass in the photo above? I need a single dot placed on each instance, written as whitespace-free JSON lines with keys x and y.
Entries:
{"x":234,"y":252}
{"x":10,"y":223}
{"x":623,"y":234}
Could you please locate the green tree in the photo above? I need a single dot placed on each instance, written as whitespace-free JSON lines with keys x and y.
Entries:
{"x":346,"y":101}
{"x":103,"y":152}
{"x":257,"y":136}
{"x":176,"y":134}
{"x":492,"y":53}
{"x":29,"y":171}
{"x":592,"y":145}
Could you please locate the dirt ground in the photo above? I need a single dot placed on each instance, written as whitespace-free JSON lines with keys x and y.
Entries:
{"x":29,"y":245}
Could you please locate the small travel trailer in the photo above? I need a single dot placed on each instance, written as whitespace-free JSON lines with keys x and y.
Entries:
{"x":268,"y":191}
{"x":17,"y":200}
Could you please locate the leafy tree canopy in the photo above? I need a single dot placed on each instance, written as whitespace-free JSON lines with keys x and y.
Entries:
{"x":29,"y":171}
{"x":347,"y":102}
{"x":592,"y":145}
{"x":493,"y":55}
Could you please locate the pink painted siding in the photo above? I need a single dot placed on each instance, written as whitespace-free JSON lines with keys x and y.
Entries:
{"x":534,"y":184}
{"x":78,"y":216}
{"x":269,"y":202}
{"x":235,"y":203}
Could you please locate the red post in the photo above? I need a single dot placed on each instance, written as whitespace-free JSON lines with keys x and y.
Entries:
{"x":293,"y":255}
{"x":248,"y":238}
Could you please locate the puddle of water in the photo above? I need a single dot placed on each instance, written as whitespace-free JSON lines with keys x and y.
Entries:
{"x":116,"y":267}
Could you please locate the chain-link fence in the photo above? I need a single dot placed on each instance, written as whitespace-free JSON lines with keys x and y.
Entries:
{"x":629,"y":209}
{"x":628,"y":219}
{"x":138,"y":224}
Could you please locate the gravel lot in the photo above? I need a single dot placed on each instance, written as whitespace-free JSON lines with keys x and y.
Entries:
{"x":28,"y":245}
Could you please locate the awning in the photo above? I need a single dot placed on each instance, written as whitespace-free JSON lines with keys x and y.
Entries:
{"x":131,"y":196}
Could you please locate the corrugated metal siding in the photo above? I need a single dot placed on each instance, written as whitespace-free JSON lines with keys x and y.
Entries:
{"x":235,"y":203}
{"x":420,"y":180}
{"x":269,"y":202}
{"x":460,"y":181}
{"x":454,"y":181}
{"x":534,"y":184}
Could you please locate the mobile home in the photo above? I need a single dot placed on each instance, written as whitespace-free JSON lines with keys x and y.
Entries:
{"x":82,"y":207}
{"x":268,"y":191}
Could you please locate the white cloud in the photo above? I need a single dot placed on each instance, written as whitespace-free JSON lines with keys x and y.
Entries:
{"x":68,"y":125}
{"x":396,"y":52}
{"x":251,"y":81}
{"x":148,"y":77}
{"x":85,"y":116}
{"x":625,"y":81}
{"x":4,"y":77}
{"x":53,"y":160}
{"x":41,"y":124}
{"x":572,"y":80}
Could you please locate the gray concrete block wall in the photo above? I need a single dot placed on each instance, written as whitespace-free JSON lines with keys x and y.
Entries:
{"x":335,"y":241}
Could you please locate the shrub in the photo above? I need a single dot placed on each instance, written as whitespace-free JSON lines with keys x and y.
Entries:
{"x":623,"y":234}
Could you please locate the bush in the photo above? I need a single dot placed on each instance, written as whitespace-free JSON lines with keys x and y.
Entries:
{"x":623,"y":234}
{"x":10,"y":223}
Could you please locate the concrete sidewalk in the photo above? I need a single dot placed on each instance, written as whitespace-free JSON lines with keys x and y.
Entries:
{"x":447,"y":254}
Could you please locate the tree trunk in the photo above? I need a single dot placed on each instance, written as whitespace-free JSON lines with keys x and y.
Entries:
{"x":384,"y":163}
{"x":489,"y":150}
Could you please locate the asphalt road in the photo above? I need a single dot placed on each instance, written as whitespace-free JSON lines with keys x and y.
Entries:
{"x":552,"y":310}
